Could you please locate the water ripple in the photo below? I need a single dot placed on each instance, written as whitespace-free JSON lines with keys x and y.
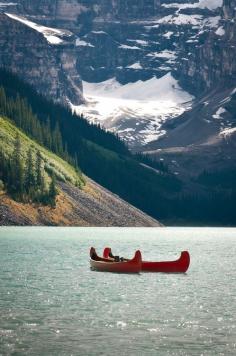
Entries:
{"x":51,"y":303}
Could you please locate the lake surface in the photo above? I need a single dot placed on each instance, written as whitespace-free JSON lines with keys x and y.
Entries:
{"x":51,"y":303}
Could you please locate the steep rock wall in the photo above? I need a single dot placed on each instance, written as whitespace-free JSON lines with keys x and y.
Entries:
{"x":70,"y":9}
{"x":50,"y":68}
{"x":212,"y":62}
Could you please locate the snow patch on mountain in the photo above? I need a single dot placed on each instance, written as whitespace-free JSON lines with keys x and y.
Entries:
{"x":220,"y":31}
{"x":6,"y":4}
{"x":135,"y":66}
{"x":128,"y":47}
{"x":163,"y":54}
{"x":140,"y":42}
{"x":202,"y":4}
{"x":168,"y":34}
{"x":228,"y":132}
{"x":136,"y":111}
{"x":184,"y":19}
{"x":51,"y":34}
{"x":218,"y":113}
{"x":80,"y":42}
{"x":210,"y":4}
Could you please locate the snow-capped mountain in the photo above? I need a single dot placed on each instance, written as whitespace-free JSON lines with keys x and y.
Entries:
{"x":146,"y":67}
{"x":136,"y":111}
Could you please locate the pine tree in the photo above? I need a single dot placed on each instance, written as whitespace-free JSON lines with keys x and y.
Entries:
{"x":16,"y":178}
{"x":30,"y":174}
{"x":3,"y":101}
{"x":39,"y":181}
{"x":39,"y":176}
{"x":52,"y":192}
{"x":57,"y":145}
{"x":47,"y":134}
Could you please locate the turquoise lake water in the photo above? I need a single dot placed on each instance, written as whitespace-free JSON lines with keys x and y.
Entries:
{"x":51,"y":303}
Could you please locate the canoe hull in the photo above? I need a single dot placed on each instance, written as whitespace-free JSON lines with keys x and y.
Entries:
{"x":179,"y":266}
{"x":106,"y":265}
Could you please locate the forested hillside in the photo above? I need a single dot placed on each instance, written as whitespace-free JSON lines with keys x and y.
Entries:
{"x":28,"y":171}
{"x":99,"y":154}
{"x":102,"y":156}
{"x":39,"y":188}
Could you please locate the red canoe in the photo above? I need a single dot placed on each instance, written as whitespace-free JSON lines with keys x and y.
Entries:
{"x":108,"y":265}
{"x":179,"y":266}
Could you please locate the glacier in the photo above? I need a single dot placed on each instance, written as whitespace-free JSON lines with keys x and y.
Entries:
{"x":136,"y":111}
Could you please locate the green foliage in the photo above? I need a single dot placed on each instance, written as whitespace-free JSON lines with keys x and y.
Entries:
{"x":221,"y":178}
{"x":52,"y":193}
{"x":105,"y":158}
{"x":2,"y":186}
{"x":16,"y":177}
{"x":149,"y":161}
{"x":216,"y":208}
{"x":18,"y":110}
{"x":101,"y":155}
{"x":30,"y":179}
{"x":40,"y":182}
{"x":55,"y":119}
{"x":22,"y":179}
{"x":22,"y":166}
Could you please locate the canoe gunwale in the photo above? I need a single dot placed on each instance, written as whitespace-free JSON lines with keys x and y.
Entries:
{"x":108,"y":265}
{"x":180,"y":265}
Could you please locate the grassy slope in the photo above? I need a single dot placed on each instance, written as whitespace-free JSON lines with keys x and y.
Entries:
{"x":63,"y":171}
{"x":90,"y":206}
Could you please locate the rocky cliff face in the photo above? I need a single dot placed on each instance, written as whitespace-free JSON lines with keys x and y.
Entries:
{"x":60,"y":10}
{"x":132,"y":40}
{"x":204,"y":137}
{"x":70,"y":9}
{"x":116,"y":34}
{"x":45,"y":60}
{"x":212,"y":62}
{"x":123,"y":42}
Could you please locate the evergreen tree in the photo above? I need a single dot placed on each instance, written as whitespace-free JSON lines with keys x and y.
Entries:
{"x":30,"y":174}
{"x":39,"y":181}
{"x":16,"y":174}
{"x":39,"y":175}
{"x":52,"y":194}
{"x":3,"y":101}
{"x":57,"y":145}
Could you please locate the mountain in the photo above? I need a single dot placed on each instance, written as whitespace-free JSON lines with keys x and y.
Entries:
{"x":42,"y":56}
{"x":159,"y":73}
{"x":100,"y":155}
{"x":87,"y":205}
{"x":203,"y":138}
{"x":112,"y":48}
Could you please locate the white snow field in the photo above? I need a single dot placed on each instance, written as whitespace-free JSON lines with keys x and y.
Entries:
{"x":6,"y":4}
{"x":136,"y":111}
{"x":51,"y":34}
{"x":202,"y":4}
{"x":228,"y":132}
